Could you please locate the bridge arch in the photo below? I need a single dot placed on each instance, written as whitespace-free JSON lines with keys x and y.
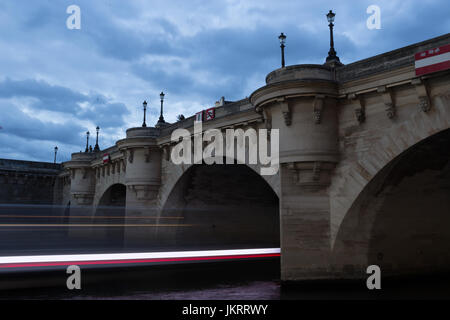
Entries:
{"x":173,"y":173}
{"x":111,"y":210}
{"x":114,"y":195}
{"x":352,"y":177}
{"x":224,"y":205}
{"x":399,"y":215}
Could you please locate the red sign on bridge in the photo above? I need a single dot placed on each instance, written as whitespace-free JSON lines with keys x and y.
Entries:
{"x":208,"y":114}
{"x":432,"y":60}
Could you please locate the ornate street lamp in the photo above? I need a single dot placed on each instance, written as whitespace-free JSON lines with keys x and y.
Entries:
{"x":87,"y":142}
{"x":97,"y":148}
{"x":332,"y":57}
{"x":56,"y":150}
{"x":282,"y":39}
{"x":144,"y":104}
{"x":161,"y":117}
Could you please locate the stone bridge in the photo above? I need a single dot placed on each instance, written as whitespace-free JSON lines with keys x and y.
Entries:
{"x":364,"y":173}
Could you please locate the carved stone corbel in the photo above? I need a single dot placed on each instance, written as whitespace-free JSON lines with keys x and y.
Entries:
{"x":147,"y":155}
{"x":316,"y":171}
{"x":166,"y":152}
{"x":266,"y":117}
{"x":85,"y":173}
{"x":423,"y":94}
{"x":313,"y":175}
{"x":130,"y":155}
{"x":144,"y":192}
{"x":83,"y":198}
{"x":318,"y":108}
{"x":360,"y":109}
{"x":286,"y":111}
{"x":388,"y":101}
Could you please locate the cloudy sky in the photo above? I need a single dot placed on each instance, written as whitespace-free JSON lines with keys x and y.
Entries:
{"x":57,"y":83}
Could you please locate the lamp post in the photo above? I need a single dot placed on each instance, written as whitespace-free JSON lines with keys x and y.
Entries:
{"x":56,"y":150}
{"x":87,"y":142}
{"x":161,"y":117}
{"x":144,"y":104}
{"x":332,"y":57}
{"x":97,"y":148}
{"x":282,"y":39}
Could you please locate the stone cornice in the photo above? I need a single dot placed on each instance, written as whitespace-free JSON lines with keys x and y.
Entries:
{"x":76,"y":164}
{"x":136,"y":142}
{"x":143,"y":132}
{"x":300,"y":71}
{"x":292,"y":89}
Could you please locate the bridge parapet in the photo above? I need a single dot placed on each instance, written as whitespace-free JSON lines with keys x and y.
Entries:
{"x":143,"y":132}
{"x":300,"y":72}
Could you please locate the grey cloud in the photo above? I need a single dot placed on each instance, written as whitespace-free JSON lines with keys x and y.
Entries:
{"x":50,"y":97}
{"x":106,"y":114}
{"x":14,"y":147}
{"x":17,"y":123}
{"x":235,"y":55}
{"x":61,"y":99}
{"x":36,"y":32}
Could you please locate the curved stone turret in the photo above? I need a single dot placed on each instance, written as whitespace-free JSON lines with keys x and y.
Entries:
{"x":82,"y":188}
{"x":143,"y":158}
{"x":301,"y":101}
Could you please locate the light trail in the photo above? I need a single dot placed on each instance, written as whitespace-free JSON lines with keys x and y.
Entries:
{"x":92,"y":225}
{"x":86,"y":217}
{"x":135,"y":258}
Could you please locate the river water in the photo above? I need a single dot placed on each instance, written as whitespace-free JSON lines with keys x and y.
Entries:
{"x":229,"y":281}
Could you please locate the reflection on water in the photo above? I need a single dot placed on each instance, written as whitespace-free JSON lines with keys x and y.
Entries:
{"x":221,"y":281}
{"x":255,"y":280}
{"x":258,"y":290}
